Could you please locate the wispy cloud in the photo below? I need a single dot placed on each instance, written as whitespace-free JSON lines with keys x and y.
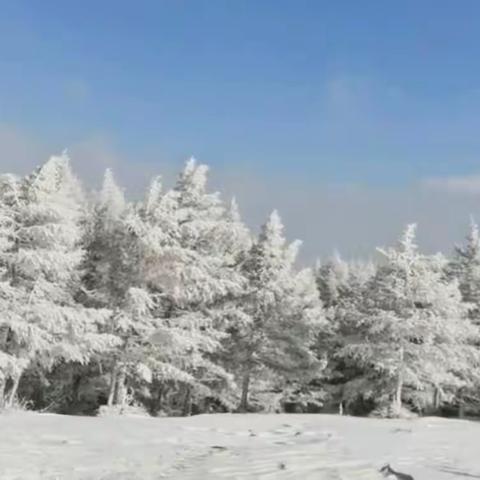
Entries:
{"x":466,"y":184}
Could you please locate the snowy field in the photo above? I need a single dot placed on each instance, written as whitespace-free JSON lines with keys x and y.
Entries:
{"x":53,"y":447}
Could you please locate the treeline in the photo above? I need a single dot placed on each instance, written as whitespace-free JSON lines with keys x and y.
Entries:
{"x":171,"y":306}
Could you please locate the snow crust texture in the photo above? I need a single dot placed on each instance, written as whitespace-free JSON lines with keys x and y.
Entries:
{"x":52,"y":447}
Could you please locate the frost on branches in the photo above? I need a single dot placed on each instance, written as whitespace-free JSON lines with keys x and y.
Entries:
{"x":280,"y":315}
{"x":190,"y":244}
{"x":170,"y":305}
{"x":44,"y":323}
{"x":413,"y":334}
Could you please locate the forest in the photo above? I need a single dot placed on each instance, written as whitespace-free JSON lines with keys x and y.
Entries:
{"x":170,"y":305}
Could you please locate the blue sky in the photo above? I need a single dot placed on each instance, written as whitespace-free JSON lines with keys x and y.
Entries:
{"x":282,"y":97}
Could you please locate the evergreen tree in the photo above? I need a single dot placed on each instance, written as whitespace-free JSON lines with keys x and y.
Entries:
{"x":465,"y":267}
{"x":341,"y":286}
{"x":47,"y":324}
{"x":412,"y":327}
{"x":107,"y":265}
{"x":111,"y":279}
{"x":281,"y":312}
{"x":332,"y":277}
{"x":10,"y":364}
{"x":190,"y":245}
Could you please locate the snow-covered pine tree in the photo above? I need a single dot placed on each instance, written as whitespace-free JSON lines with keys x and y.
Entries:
{"x":10,"y":364}
{"x":413,"y":332}
{"x":107,"y":266}
{"x":282,"y":313}
{"x":236,"y":238}
{"x":190,"y":247}
{"x":341,"y":285}
{"x":465,"y":267}
{"x":332,"y":277}
{"x":47,"y":324}
{"x":111,"y":279}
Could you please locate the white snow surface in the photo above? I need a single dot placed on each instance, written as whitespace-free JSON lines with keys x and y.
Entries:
{"x":233,"y":446}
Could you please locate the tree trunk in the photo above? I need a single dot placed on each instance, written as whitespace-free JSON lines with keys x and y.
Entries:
{"x":76,"y":383}
{"x":12,"y":394}
{"x":156,"y":405}
{"x":187,"y":402}
{"x":436,"y":399}
{"x":3,"y":382}
{"x":4,"y":331}
{"x":113,"y":386}
{"x":121,"y":390}
{"x":397,"y":404}
{"x":169,"y":400}
{"x":243,"y":407}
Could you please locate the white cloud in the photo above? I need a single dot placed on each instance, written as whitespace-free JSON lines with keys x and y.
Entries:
{"x":467,"y":184}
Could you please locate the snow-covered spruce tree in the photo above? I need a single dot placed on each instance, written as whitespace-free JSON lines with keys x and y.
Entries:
{"x":10,"y":364}
{"x":282,"y":314}
{"x":190,"y":247}
{"x":46,"y":324}
{"x":332,"y":277}
{"x":107,"y":266}
{"x":341,"y":286}
{"x":111,"y":278}
{"x":413,"y":333}
{"x":465,"y":267}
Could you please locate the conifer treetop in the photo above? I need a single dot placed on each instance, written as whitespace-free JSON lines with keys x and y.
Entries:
{"x":112,"y":198}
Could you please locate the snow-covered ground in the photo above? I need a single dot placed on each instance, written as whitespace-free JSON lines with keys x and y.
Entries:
{"x":54,"y":447}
